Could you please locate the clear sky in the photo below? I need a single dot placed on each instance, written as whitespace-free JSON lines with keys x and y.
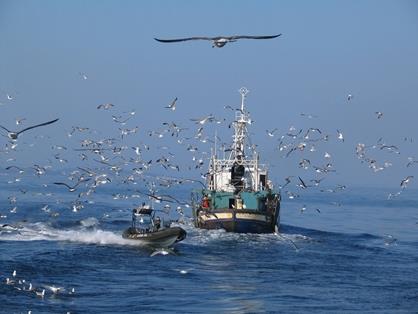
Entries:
{"x":328,"y":50}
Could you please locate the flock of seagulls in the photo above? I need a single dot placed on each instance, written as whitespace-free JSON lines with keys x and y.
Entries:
{"x":109,"y":160}
{"x":113,"y":160}
{"x":26,"y":286}
{"x":305,"y":146}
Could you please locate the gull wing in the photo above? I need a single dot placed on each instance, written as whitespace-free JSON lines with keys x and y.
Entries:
{"x":182,"y":39}
{"x":62,"y":183}
{"x":4,"y":128}
{"x":38,"y":125}
{"x":252,"y":37}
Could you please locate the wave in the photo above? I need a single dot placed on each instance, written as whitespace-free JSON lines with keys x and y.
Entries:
{"x":40,"y":231}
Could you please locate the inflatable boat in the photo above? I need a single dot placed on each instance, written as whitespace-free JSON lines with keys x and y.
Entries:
{"x":147,"y":229}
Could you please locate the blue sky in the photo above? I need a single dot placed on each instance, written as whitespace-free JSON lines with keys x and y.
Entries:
{"x":328,"y":50}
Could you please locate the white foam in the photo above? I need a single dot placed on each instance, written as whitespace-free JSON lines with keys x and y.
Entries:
{"x":197,"y":236}
{"x":89,"y":222}
{"x":42,"y":232}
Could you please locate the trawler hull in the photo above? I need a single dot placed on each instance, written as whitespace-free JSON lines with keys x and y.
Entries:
{"x":238,"y":221}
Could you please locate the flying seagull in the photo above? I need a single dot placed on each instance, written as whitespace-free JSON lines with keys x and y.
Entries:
{"x":13,"y":135}
{"x":172,"y":106}
{"x":218,"y":41}
{"x":72,"y":188}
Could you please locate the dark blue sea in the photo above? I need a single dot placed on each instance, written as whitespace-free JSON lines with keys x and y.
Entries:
{"x":352,"y":251}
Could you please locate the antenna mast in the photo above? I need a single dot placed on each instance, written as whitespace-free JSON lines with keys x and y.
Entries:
{"x":240,"y":127}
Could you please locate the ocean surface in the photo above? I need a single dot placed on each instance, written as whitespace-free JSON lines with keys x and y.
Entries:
{"x":352,"y":251}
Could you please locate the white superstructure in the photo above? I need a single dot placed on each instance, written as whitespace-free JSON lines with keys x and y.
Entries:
{"x":237,"y":173}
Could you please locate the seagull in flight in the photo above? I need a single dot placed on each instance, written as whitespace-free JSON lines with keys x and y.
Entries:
{"x":203,"y":120}
{"x":379,"y":114}
{"x":13,"y":135}
{"x":340,"y":136}
{"x":83,"y":75}
{"x":172,"y":106}
{"x":72,"y":188}
{"x":404,"y":182}
{"x":218,"y":41}
{"x":271,"y":133}
{"x":105,"y":106}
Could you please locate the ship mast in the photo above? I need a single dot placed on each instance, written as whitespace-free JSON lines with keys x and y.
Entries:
{"x":240,"y":126}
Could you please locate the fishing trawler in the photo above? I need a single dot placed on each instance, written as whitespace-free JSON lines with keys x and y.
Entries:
{"x":238,"y":196}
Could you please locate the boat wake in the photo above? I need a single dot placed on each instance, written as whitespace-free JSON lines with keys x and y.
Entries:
{"x":86,"y":233}
{"x":206,"y":237}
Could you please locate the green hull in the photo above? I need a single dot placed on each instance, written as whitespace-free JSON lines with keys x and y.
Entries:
{"x":245,"y":212}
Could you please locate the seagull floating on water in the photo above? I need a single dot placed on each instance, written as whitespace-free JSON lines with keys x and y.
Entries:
{"x":13,"y":135}
{"x":218,"y":41}
{"x":55,"y":290}
{"x":40,"y":294}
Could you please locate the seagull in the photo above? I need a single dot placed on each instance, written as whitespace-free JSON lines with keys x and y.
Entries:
{"x":405,"y":181}
{"x":271,"y":133}
{"x":304,"y":163}
{"x":302,"y":184}
{"x":379,"y":114}
{"x":306,"y":136}
{"x":203,"y":120}
{"x":105,"y":106}
{"x":163,"y":251}
{"x":9,"y":281}
{"x":172,"y":106}
{"x":411,"y":161}
{"x":309,"y":116}
{"x":40,"y":294}
{"x":83,"y":75}
{"x":30,"y":288}
{"x":13,"y":135}
{"x":389,"y":239}
{"x":391,"y":195}
{"x":19,"y":120}
{"x":55,"y":290}
{"x":72,"y":188}
{"x":15,"y":167}
{"x":183,"y":271}
{"x":349,"y":97}
{"x":218,"y":41}
{"x":317,"y":181}
{"x":340,"y":136}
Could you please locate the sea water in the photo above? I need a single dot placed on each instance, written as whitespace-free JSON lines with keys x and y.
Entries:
{"x":352,"y":252}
